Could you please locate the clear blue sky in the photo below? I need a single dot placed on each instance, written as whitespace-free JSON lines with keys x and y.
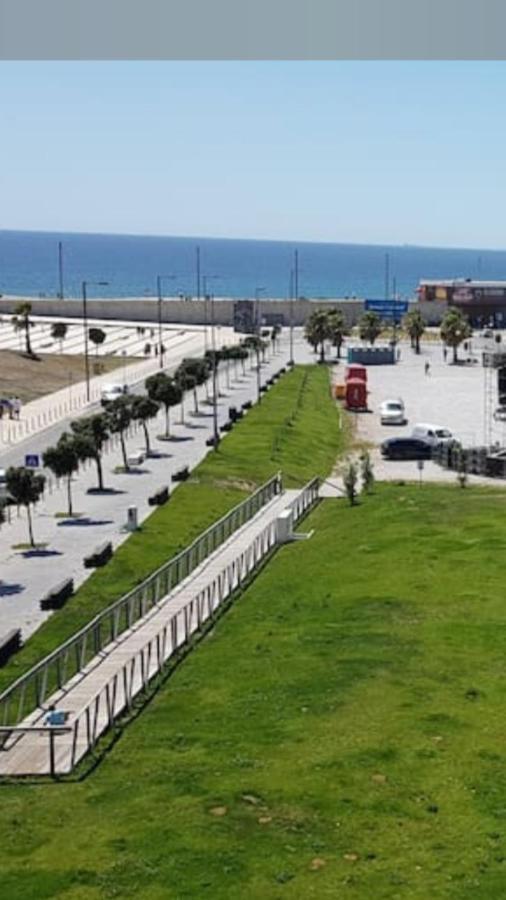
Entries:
{"x":364,"y":152}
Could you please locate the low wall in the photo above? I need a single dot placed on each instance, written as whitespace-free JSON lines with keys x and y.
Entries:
{"x":194,"y":312}
{"x":184,"y":312}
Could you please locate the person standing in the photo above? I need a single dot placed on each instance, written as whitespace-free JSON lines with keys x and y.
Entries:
{"x":16,"y":403}
{"x":445,"y":352}
{"x":427,"y":368}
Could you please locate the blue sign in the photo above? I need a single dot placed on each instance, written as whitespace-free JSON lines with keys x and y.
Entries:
{"x":32,"y":461}
{"x":388,"y":309}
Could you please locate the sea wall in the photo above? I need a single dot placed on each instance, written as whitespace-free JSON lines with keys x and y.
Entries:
{"x":194,"y":312}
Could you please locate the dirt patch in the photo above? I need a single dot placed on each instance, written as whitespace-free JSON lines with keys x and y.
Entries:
{"x":27,"y":378}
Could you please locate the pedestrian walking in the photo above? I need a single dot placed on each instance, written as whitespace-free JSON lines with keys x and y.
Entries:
{"x":16,"y":403}
{"x":427,"y":368}
{"x":398,"y":354}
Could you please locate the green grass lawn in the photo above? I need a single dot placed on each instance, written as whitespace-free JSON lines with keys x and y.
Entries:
{"x":340,"y":733}
{"x":296,"y":429}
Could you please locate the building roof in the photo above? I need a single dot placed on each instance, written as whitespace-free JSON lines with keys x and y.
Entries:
{"x":461,"y":282}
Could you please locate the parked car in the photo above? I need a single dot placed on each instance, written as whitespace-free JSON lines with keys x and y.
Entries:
{"x":5,"y":497}
{"x":434,"y":434}
{"x":392,"y":412}
{"x":111,"y":392}
{"x":406,"y":448}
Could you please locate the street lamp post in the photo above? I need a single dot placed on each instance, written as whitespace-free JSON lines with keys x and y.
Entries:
{"x":291,"y":361}
{"x":160,"y":299}
{"x":258,"y":291}
{"x":205,"y":279}
{"x":216,"y":433}
{"x":85,"y":325}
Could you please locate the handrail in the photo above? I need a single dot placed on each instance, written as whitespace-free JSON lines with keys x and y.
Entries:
{"x":159,"y":648}
{"x":75,"y":652}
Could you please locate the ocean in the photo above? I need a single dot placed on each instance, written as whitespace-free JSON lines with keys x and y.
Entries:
{"x":234,"y":268}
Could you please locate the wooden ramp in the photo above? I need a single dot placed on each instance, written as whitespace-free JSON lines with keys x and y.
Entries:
{"x":106,"y":686}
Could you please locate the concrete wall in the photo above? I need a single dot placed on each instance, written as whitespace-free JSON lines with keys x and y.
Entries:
{"x":192,"y":312}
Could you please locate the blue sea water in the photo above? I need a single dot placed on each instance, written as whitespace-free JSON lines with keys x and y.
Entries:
{"x":29,"y":266}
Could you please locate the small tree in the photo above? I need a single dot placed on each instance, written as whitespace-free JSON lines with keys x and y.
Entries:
{"x":165,"y":390}
{"x":350,"y":479}
{"x":63,"y":460}
{"x":455,"y":329}
{"x":59,"y":332}
{"x":337,"y":329}
{"x":142,"y":410}
{"x":369,"y":327}
{"x":118,"y":416}
{"x":415,"y":327}
{"x":366,"y":471}
{"x":21,"y":322}
{"x":91,"y":433}
{"x":25,"y":487}
{"x":97,"y":336}
{"x":317,"y":330}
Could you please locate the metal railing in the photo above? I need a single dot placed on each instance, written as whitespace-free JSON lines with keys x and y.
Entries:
{"x":29,"y":692}
{"x":117,"y":695}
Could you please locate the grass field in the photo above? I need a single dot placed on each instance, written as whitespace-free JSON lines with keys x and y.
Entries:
{"x":295,"y":429}
{"x":30,"y":378}
{"x":339,"y":734}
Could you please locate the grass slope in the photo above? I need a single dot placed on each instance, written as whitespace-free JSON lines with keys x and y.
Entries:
{"x":295,"y":429}
{"x":339,"y":734}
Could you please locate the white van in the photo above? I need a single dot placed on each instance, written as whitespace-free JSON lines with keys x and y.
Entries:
{"x":433,"y":434}
{"x":112,"y":392}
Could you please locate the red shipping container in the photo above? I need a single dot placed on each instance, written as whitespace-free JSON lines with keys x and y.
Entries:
{"x":359,"y":372}
{"x":356,"y":394}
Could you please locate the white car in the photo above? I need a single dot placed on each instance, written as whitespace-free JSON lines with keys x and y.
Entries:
{"x":112,"y":392}
{"x":392,"y":412}
{"x":434,"y":434}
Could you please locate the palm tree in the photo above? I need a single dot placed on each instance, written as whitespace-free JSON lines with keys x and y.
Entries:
{"x":338,"y":329}
{"x":415,"y":327}
{"x":63,"y":460}
{"x":21,"y":322}
{"x":144,"y":408}
{"x":59,"y":332}
{"x":25,"y":487}
{"x":455,"y":328}
{"x":369,"y":327}
{"x":317,"y":330}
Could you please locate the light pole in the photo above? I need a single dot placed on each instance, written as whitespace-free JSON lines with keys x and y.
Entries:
{"x":291,"y":360}
{"x":216,"y":433}
{"x":205,"y":279}
{"x":258,"y":291}
{"x":159,"y":279}
{"x":85,"y":325}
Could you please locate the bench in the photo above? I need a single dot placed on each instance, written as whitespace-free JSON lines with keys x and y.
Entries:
{"x":99,"y":556}
{"x":182,"y":474}
{"x":264,"y":388}
{"x":227,"y":426}
{"x":160,"y":497}
{"x":210,"y":442}
{"x":10,"y":643}
{"x":247,"y":405}
{"x":58,"y":596}
{"x":136,"y":459}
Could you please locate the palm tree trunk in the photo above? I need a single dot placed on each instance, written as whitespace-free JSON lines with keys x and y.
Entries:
{"x":146,"y":437}
{"x":167,"y":422}
{"x":123,"y":450}
{"x":195,"y":400}
{"x":417,"y":344}
{"x":455,"y":353}
{"x":99,"y":472}
{"x":30,"y":529}
{"x":182,"y":407}
{"x":69,"y":492}
{"x":322,"y":351}
{"x":27,"y":338}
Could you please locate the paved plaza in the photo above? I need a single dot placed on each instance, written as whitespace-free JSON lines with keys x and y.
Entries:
{"x":28,"y":574}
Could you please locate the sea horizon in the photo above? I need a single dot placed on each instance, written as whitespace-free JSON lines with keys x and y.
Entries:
{"x":232,"y":267}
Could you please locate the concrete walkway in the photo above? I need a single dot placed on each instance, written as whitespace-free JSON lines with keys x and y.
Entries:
{"x":28,"y":574}
{"x":95,"y":696}
{"x":72,"y":400}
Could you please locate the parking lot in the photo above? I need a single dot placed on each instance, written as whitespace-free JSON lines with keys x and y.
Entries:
{"x":449,"y":395}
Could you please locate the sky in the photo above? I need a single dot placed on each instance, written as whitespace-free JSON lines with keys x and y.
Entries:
{"x":358,"y":152}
